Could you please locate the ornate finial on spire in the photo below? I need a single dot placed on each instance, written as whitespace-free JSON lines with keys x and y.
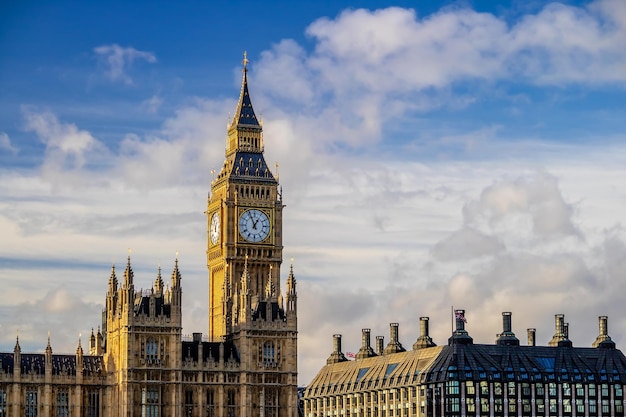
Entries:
{"x":113,"y":278}
{"x":277,"y":174}
{"x":48,"y":346}
{"x":17,"y":342}
{"x":245,"y":61}
{"x":176,"y":273}
{"x":291,"y":281}
{"x":158,"y":283}
{"x":270,"y":288}
{"x":128,"y":274}
{"x":79,"y":349}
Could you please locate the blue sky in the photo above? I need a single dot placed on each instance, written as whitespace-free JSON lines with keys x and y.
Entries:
{"x":431,"y":154}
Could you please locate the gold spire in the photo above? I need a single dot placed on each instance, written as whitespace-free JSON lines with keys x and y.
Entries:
{"x":245,"y":61}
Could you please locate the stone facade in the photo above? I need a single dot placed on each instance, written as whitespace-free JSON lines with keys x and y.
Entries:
{"x":139,"y":364}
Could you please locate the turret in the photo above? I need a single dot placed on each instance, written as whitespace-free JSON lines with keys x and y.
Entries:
{"x":111,"y":299}
{"x":292,"y":295}
{"x":48,"y":351}
{"x":128,"y":275}
{"x":92,"y":343}
{"x":245,"y":304}
{"x":99,"y":342}
{"x":158,"y":283}
{"x":48,"y":361}
{"x":176,"y":286}
{"x":112,"y":281}
{"x":271,"y":296}
{"x":128,"y":289}
{"x":79,"y":362}
{"x":17,"y":359}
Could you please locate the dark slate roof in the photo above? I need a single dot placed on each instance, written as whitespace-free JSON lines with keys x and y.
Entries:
{"x":64,"y":364}
{"x":161,"y":308}
{"x":261,"y":312}
{"x":6,"y":362}
{"x":245,"y":113}
{"x":35,"y":363}
{"x":526,"y":363}
{"x":210,"y":350}
{"x":251,"y":165}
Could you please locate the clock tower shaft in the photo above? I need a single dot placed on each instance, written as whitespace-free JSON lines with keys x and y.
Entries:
{"x":244,"y":222}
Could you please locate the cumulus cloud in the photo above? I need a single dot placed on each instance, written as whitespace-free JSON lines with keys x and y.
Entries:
{"x":467,"y":243}
{"x":117,"y":60}
{"x":58,"y":313}
{"x":371,"y":68}
{"x":67,"y":146}
{"x":5,"y":143}
{"x":533,"y":201}
{"x":392,"y":238}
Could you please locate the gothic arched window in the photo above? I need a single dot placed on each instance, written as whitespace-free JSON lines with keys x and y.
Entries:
{"x":269,"y":353}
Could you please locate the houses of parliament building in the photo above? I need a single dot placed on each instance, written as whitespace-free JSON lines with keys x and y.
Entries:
{"x":139,"y":364}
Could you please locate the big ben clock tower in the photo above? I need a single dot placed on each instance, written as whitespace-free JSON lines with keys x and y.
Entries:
{"x":244,"y":255}
{"x":244,"y":213}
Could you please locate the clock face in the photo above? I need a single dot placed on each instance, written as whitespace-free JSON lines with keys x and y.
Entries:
{"x":254,"y":225}
{"x":214,"y":229}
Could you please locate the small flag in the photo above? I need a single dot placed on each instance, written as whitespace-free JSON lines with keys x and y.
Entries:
{"x":458,"y":314}
{"x":350,"y":355}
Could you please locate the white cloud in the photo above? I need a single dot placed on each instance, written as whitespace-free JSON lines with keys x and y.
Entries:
{"x":394,"y":236}
{"x":534,"y":201}
{"x":5,"y":143}
{"x":117,"y":60}
{"x":152,"y":104}
{"x":370,"y":69}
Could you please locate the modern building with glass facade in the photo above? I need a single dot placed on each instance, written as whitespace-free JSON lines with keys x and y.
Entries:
{"x":467,"y":379}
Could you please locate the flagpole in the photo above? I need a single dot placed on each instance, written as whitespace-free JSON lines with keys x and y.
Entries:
{"x":452,"y":319}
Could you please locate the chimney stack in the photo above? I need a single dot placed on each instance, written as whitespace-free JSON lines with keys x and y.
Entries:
{"x":507,"y":337}
{"x":394,"y":345}
{"x":380,"y":345}
{"x":366,"y":350}
{"x":424,"y":340}
{"x":603,"y":340}
{"x":560,"y":335}
{"x":531,"y":336}
{"x":336,"y":355}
